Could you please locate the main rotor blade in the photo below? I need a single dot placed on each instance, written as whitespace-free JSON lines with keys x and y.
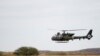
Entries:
{"x":69,"y":30}
{"x":74,"y":30}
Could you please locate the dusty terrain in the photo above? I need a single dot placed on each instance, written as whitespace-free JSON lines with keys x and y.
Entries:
{"x":11,"y":54}
{"x":84,"y":52}
{"x":69,"y":55}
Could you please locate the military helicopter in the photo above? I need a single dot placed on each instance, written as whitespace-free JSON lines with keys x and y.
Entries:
{"x":70,"y":36}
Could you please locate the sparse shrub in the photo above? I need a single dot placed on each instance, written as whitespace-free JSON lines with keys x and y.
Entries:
{"x":1,"y":53}
{"x":26,"y":51}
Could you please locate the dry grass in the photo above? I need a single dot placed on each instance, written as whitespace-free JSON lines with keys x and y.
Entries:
{"x":42,"y":54}
{"x":67,"y":55}
{"x":8,"y":54}
{"x":54,"y":55}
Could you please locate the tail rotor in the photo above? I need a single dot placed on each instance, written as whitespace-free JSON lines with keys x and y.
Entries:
{"x":89,"y":35}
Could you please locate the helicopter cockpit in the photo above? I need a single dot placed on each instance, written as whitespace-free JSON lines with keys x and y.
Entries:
{"x":70,"y":34}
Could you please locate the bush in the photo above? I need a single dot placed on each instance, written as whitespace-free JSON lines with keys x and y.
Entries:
{"x":1,"y":53}
{"x":26,"y":51}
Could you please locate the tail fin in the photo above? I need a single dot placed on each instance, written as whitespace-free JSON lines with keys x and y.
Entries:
{"x":89,"y":35}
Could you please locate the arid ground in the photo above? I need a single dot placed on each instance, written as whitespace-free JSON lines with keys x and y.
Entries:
{"x":84,"y":52}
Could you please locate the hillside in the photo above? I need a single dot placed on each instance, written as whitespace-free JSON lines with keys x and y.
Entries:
{"x":90,"y":51}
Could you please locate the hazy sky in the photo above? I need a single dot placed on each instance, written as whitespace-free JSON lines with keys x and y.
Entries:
{"x":27,"y":23}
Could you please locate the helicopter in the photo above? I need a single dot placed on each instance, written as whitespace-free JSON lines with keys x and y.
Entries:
{"x":70,"y":36}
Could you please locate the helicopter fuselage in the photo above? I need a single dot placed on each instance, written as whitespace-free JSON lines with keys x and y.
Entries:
{"x":70,"y":36}
{"x":63,"y":37}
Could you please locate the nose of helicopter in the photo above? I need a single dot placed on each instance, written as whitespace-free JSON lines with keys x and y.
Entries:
{"x":53,"y":38}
